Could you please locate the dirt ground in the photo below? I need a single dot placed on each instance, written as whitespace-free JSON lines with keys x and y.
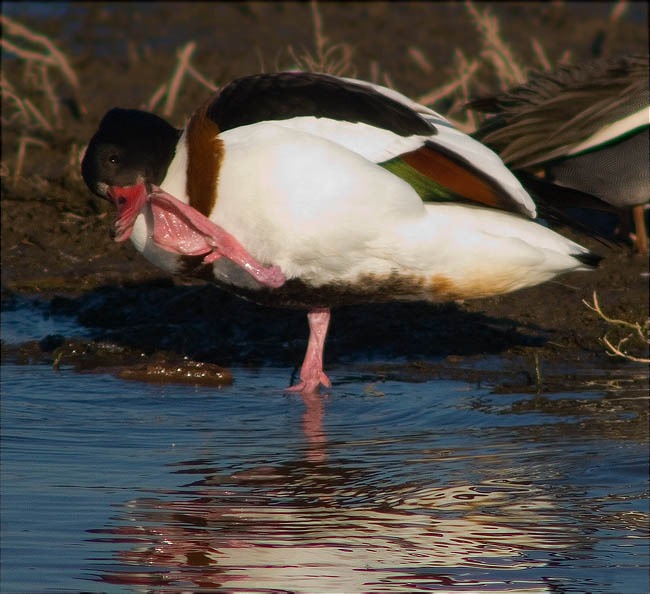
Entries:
{"x":57,"y":254}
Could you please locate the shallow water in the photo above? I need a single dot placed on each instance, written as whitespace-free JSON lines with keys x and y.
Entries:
{"x":110,"y":485}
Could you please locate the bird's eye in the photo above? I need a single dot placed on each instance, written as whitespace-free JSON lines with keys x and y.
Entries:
{"x":114,"y":159}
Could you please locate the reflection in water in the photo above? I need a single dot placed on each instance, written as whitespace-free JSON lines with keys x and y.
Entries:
{"x":312,"y":426}
{"x":312,"y":528}
{"x":219,"y":539}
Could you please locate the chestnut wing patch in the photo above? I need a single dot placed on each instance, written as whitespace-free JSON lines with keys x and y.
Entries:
{"x":439,"y":175}
{"x":286,"y":95}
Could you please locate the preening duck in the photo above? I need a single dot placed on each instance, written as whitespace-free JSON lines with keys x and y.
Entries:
{"x":310,"y":191}
{"x":586,"y":126}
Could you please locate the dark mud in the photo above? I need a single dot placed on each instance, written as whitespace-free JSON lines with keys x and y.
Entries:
{"x":56,"y":249}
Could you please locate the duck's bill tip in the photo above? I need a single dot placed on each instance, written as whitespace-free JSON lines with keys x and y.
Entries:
{"x":129,"y":201}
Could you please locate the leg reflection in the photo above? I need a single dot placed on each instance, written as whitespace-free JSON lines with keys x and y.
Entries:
{"x":312,"y":425}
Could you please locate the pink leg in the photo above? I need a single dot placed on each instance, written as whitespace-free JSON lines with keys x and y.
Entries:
{"x":181,"y":229}
{"x":311,"y":372}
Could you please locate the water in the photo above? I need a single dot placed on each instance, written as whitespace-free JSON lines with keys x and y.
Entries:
{"x":117,"y":486}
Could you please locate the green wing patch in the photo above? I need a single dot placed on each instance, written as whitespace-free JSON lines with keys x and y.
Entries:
{"x":440,"y":175}
{"x":427,"y":189}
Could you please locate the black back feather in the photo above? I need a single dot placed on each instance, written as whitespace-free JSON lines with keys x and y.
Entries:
{"x":285,"y":95}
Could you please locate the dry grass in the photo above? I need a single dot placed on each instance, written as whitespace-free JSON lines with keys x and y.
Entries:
{"x":495,"y":50}
{"x":495,"y":60}
{"x":42,"y":60}
{"x":170,"y":90}
{"x":45,"y":67}
{"x":636,"y":334}
{"x":23,"y":143}
{"x":329,"y":58}
{"x":456,"y":89}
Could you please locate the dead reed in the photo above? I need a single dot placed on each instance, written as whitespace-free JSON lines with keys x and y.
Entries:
{"x":170,"y":90}
{"x":636,"y":333}
{"x":42,"y":62}
{"x":41,"y":58}
{"x":327,"y":57}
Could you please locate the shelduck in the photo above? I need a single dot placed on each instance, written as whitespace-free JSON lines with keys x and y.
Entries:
{"x":305,"y":190}
{"x":586,"y":126}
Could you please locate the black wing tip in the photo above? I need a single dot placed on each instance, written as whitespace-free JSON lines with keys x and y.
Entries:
{"x":590,"y":259}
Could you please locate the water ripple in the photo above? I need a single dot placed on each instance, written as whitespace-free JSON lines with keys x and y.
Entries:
{"x":400,"y":487}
